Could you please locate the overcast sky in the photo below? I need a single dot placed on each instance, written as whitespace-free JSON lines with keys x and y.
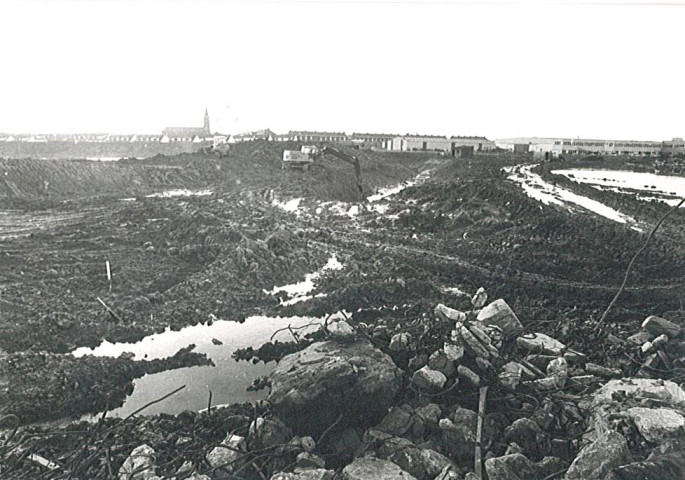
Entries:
{"x":500,"y":69}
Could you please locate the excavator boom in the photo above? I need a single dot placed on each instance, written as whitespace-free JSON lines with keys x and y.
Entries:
{"x":352,"y":160}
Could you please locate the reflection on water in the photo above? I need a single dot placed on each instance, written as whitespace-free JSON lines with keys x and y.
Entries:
{"x":228,"y":380}
{"x":663,"y":188}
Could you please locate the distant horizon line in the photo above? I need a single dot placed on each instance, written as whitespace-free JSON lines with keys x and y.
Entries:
{"x":521,"y":137}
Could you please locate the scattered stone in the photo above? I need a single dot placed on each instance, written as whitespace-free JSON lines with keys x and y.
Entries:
{"x":430,"y":414}
{"x":513,"y":448}
{"x":422,"y":463}
{"x":541,"y":343}
{"x":604,"y":372}
{"x":140,"y":464}
{"x":453,"y":351}
{"x":446,"y":313}
{"x":558,"y":370}
{"x":510,"y":467}
{"x":367,"y":468}
{"x":458,"y":437}
{"x":341,"y":330}
{"x":449,"y":473}
{"x":473,"y":343}
{"x":657,"y":424}
{"x":400,"y":341}
{"x":228,"y":452}
{"x":479,"y":333}
{"x":216,"y":341}
{"x":640,"y":338}
{"x":510,"y":375}
{"x":548,"y":466}
{"x":575,"y":357}
{"x":663,"y":467}
{"x":468,"y":375}
{"x":479,"y":299}
{"x":306,"y":444}
{"x":660,"y":341}
{"x":540,"y":361}
{"x":524,"y":432}
{"x":397,"y":422}
{"x":420,"y":360}
{"x":310,"y":389}
{"x":658,"y":326}
{"x":649,"y":367}
{"x":600,"y":457}
{"x":309,"y":460}
{"x":428,"y":379}
{"x":500,"y":315}
{"x":664,"y":390}
{"x":440,"y":362}
{"x":267,"y":432}
{"x":306,"y":474}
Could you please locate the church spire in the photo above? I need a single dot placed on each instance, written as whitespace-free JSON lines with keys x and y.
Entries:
{"x":207,"y":130}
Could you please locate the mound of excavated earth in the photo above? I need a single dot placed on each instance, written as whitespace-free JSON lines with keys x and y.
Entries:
{"x":310,"y":389}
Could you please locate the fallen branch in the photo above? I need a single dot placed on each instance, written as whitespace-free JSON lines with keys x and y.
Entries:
{"x":632,"y":261}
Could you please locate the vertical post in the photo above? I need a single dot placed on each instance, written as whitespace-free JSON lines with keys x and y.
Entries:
{"x":109,"y":274}
{"x":478,"y":463}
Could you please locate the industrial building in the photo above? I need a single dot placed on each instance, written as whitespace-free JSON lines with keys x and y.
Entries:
{"x":433,"y":143}
{"x":574,"y":146}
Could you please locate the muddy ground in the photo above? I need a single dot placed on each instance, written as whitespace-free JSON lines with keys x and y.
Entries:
{"x":183,"y":260}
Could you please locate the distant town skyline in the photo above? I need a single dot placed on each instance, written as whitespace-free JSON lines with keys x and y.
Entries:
{"x":501,"y":70}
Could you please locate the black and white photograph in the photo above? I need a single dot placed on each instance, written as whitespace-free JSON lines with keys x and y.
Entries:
{"x":342,"y":240}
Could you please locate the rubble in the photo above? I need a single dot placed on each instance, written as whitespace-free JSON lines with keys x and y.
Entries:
{"x":541,"y":343}
{"x":657,"y":424}
{"x":600,"y":457}
{"x":427,"y":379}
{"x":501,"y":316}
{"x":368,"y":467}
{"x":140,"y":465}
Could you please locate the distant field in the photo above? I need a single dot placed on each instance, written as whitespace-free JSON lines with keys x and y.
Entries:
{"x":66,"y":150}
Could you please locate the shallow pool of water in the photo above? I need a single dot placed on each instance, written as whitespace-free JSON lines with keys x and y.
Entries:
{"x":664,"y":188}
{"x":228,"y":380}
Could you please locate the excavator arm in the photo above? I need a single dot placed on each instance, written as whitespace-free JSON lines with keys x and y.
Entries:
{"x":352,"y":160}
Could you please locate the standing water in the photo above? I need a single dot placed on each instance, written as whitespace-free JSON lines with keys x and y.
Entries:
{"x":228,"y":380}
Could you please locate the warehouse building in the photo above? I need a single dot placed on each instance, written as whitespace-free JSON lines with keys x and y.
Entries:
{"x":434,"y":143}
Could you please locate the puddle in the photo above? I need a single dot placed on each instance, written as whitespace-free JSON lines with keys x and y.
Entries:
{"x":299,"y":291}
{"x":228,"y":380}
{"x":292,"y":205}
{"x":386,"y":192}
{"x":535,"y":187}
{"x":181,"y":192}
{"x":663,"y":188}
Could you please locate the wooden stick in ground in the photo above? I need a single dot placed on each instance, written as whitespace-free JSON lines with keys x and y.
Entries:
{"x":111,"y":312}
{"x":478,"y":465}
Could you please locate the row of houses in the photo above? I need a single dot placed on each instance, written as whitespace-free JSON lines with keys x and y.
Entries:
{"x":570,"y":146}
{"x":104,"y":138}
{"x":391,"y":142}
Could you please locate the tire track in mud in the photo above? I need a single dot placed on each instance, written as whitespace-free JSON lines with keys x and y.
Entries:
{"x":531,"y":278}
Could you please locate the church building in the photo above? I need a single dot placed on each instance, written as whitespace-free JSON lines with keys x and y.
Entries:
{"x":188,"y":134}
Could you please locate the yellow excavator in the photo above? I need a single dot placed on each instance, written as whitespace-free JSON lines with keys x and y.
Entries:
{"x":308,"y":154}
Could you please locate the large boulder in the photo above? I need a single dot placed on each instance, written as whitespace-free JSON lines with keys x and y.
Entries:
{"x":140,"y":465}
{"x":600,"y":457}
{"x":310,"y":389}
{"x":657,"y":424}
{"x":511,"y":467}
{"x":367,"y":468}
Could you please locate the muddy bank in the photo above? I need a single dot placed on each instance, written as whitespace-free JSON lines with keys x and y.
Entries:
{"x":44,"y":386}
